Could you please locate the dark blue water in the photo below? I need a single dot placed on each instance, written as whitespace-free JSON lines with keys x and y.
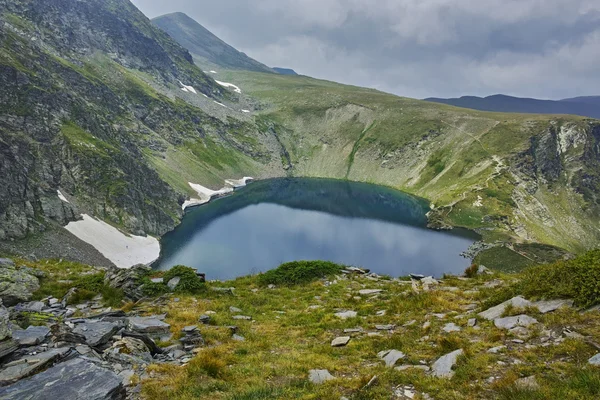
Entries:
{"x":274,"y":221}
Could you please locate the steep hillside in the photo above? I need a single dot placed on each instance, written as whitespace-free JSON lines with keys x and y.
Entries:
{"x":204,"y":46}
{"x":587,"y":107}
{"x":284,"y":71}
{"x":92,"y":96}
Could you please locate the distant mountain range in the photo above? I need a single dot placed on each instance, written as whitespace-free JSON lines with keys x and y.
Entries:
{"x":584,"y":106}
{"x":204,"y":46}
{"x":284,"y":71}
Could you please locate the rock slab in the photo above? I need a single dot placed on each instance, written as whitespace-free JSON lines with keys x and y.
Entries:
{"x":442,"y":368}
{"x":75,"y":379}
{"x":319,"y":376}
{"x":340,"y":341}
{"x":31,"y":336}
{"x":390,"y":357}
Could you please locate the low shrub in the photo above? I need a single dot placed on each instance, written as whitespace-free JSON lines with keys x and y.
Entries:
{"x":299,"y":272}
{"x":577,"y":279}
{"x":472,"y":271}
{"x":190,"y":282}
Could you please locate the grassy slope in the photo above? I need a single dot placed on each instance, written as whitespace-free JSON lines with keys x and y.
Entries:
{"x":287,"y":338}
{"x":445,"y":154}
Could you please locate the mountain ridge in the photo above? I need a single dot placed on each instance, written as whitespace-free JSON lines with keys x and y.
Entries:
{"x":204,"y":45}
{"x":582,"y":106}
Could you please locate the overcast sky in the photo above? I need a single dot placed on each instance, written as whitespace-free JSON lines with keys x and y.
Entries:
{"x":416,"y":48}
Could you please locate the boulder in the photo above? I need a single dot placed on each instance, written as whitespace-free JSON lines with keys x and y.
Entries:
{"x":390,"y":357}
{"x":31,"y":336}
{"x":552,"y":305}
{"x":442,"y":368}
{"x":497,"y":311}
{"x":173,"y":282}
{"x":96,"y":333}
{"x":75,"y":379}
{"x":319,"y":376}
{"x":16,"y":284}
{"x":595,"y":360}
{"x":127,"y":280}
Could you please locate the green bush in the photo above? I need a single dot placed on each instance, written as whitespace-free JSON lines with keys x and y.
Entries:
{"x":190,"y":282}
{"x":577,"y":279}
{"x":298,"y":272}
{"x":153,"y":289}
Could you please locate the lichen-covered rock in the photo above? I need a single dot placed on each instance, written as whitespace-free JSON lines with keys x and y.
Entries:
{"x":127,"y":279}
{"x":16,"y":284}
{"x":5,"y":331}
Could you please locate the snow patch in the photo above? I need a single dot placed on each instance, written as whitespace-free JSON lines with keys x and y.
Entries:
{"x":221,"y":104}
{"x":123,"y":250}
{"x":246,"y":111}
{"x":213,"y":72}
{"x":186,"y":88}
{"x":230,"y":85}
{"x":205,"y":194}
{"x":62,"y":197}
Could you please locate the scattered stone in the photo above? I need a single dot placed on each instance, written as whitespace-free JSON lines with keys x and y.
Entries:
{"x":127,"y":279}
{"x":228,"y":291}
{"x":157,"y":280}
{"x":127,"y":376}
{"x":417,"y":277}
{"x":5,"y":331}
{"x":426,"y":325}
{"x":529,"y":382}
{"x":380,"y":313}
{"x":496,"y":350}
{"x":497,"y":311}
{"x":451,"y":327}
{"x":192,"y":338}
{"x":319,"y":376}
{"x":74,"y":379}
{"x":204,"y":319}
{"x":238,"y":338}
{"x":472,"y":322}
{"x":372,"y":382}
{"x":512,"y":322}
{"x":442,"y":368}
{"x":234,"y":310}
{"x":366,"y":292}
{"x":595,"y":360}
{"x":7,"y":347}
{"x":390,"y":357}
{"x":340,"y":341}
{"x":96,"y":333}
{"x":242,"y":317}
{"x":346,"y":314}
{"x":410,"y":323}
{"x":353,"y":330}
{"x":493,"y":284}
{"x":31,"y":336}
{"x":131,"y":346}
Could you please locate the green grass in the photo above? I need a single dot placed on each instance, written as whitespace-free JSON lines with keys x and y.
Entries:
{"x":299,"y":272}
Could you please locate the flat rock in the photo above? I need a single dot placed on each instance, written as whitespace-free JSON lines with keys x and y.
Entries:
{"x":472,"y":322}
{"x":346,"y":314}
{"x":407,"y":367}
{"x":497,"y":311}
{"x":366,"y":292}
{"x":150,"y":325}
{"x":29,"y":365}
{"x":513,"y":322}
{"x":390,"y":357}
{"x":388,"y":327}
{"x":340,"y":341}
{"x":552,"y":305}
{"x":451,"y":327}
{"x":173,"y":282}
{"x":242,"y":317}
{"x":442,"y":368}
{"x":31,"y":336}
{"x":238,"y":338}
{"x":96,"y":333}
{"x":353,"y":330}
{"x":595,"y":360}
{"x":496,"y":350}
{"x":319,"y":376}
{"x":75,"y":379}
{"x":234,"y":310}
{"x":529,"y":383}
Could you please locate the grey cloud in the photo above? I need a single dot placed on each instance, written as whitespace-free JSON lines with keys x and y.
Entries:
{"x":416,"y":48}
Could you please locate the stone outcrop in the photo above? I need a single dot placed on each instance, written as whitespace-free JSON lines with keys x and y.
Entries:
{"x":16,"y":284}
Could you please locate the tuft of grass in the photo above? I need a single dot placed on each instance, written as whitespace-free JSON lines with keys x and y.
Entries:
{"x":299,"y":272}
{"x":472,"y":271}
{"x":190,"y":282}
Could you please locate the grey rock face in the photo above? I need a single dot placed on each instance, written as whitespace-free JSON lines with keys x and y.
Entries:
{"x":29,"y":365}
{"x":16,"y":285}
{"x":319,"y":376}
{"x":5,"y":331}
{"x":31,"y":336}
{"x":96,"y":333}
{"x":442,"y":368}
{"x":75,"y":379}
